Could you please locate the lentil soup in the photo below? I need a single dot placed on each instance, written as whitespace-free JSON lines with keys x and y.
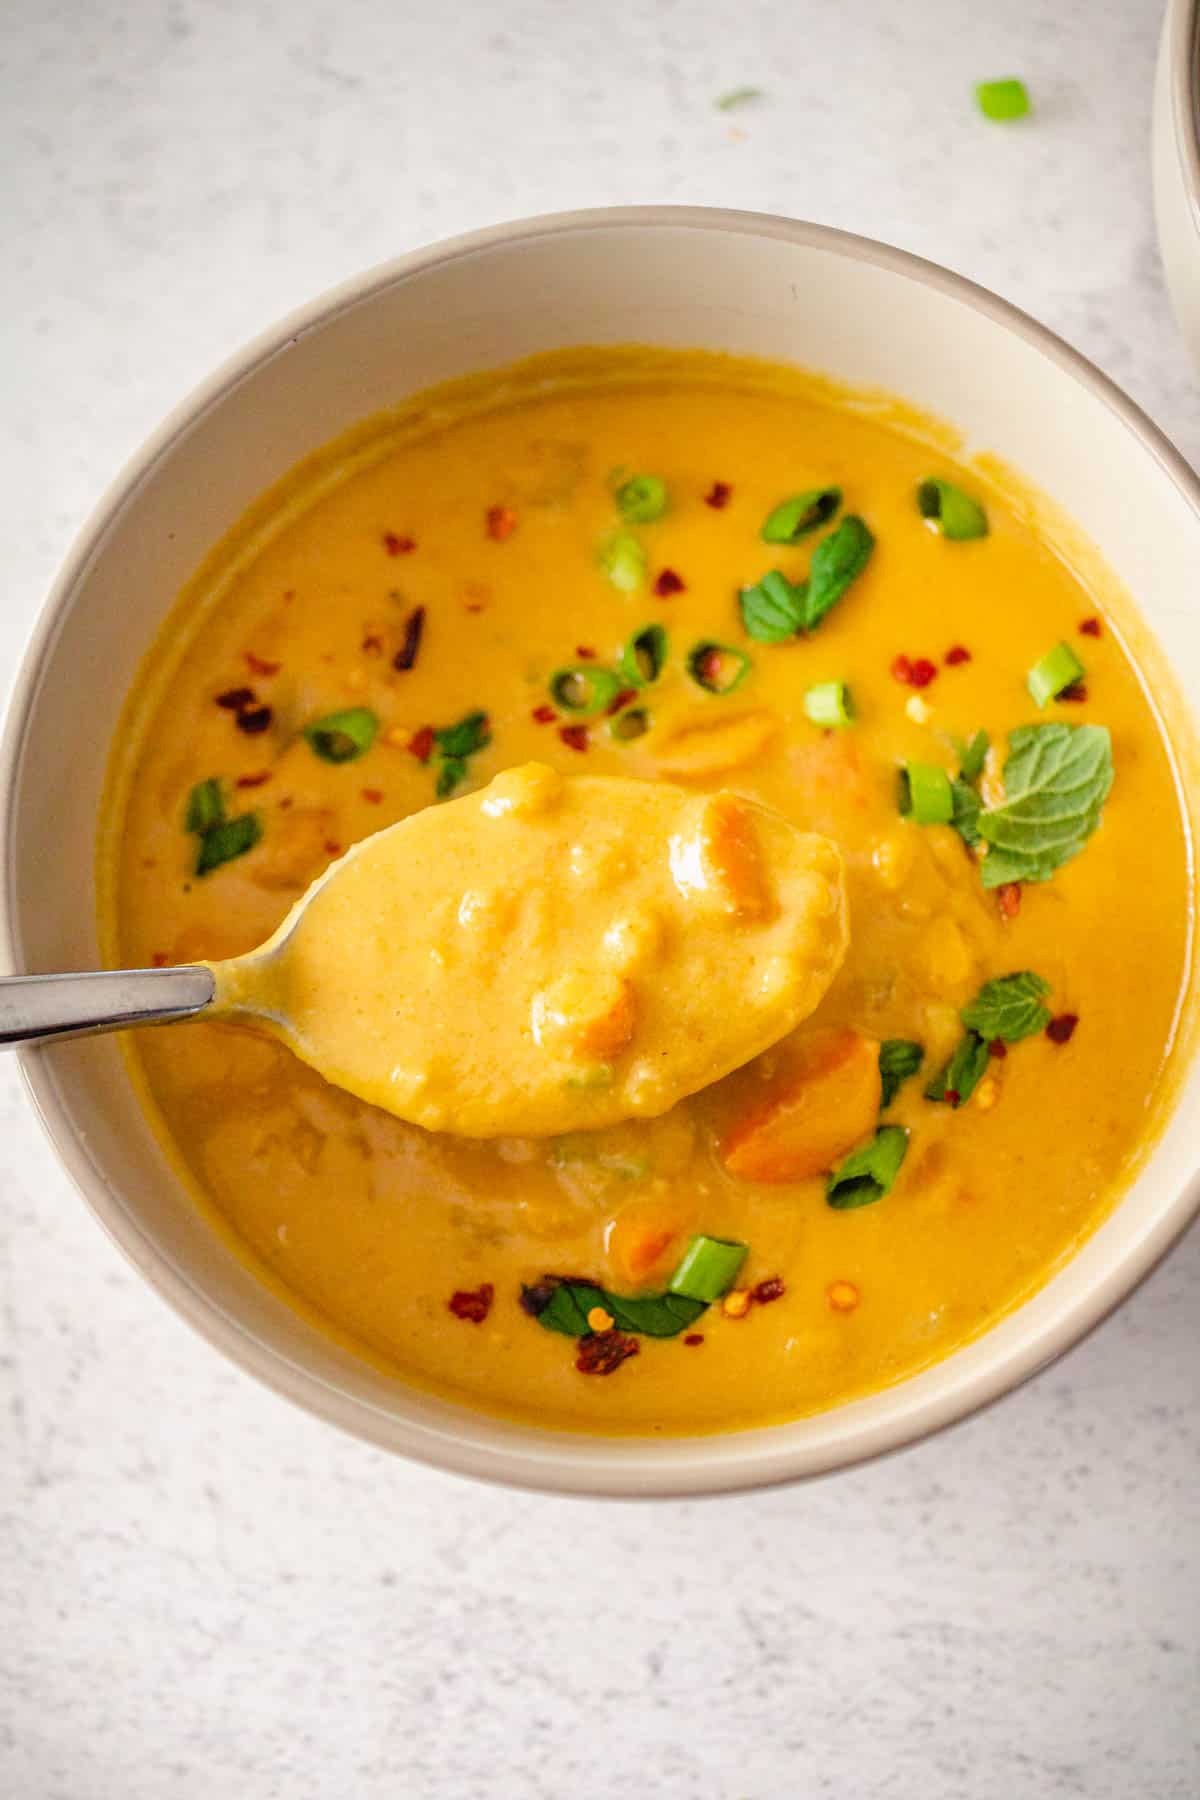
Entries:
{"x":689,"y":569}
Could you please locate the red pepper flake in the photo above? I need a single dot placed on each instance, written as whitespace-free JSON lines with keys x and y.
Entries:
{"x":254,"y":719}
{"x":998,"y":1048}
{"x":1077,"y":691}
{"x":372,"y":644}
{"x":472,"y":1303}
{"x":619,"y":700}
{"x":543,"y":715}
{"x":693,"y":1338}
{"x":406,"y":655}
{"x":1008,"y":899}
{"x":771,"y":1289}
{"x":1062,"y":1029}
{"x":585,"y":653}
{"x":604,"y":1352}
{"x":956,"y":654}
{"x":237,"y":699}
{"x":332,"y":847}
{"x":902,"y":670}
{"x":923,"y":672}
{"x":575,"y":737}
{"x":952,"y":1097}
{"x":258,"y":665}
{"x":1090,"y":628}
{"x":160,"y":959}
{"x":397,"y":545}
{"x":421,"y":744}
{"x":718,"y":495}
{"x":255,"y":780}
{"x":667,"y":582}
{"x":501,"y":522}
{"x":374,"y":795}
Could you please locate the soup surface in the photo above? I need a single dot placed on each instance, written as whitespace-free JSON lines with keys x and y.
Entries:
{"x":709,"y":573}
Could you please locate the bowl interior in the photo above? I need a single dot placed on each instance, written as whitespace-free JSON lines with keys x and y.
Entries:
{"x":857,"y":312}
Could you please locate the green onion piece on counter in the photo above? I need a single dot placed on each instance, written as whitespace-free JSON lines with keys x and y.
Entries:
{"x":1060,"y":668}
{"x":716,"y":667}
{"x":868,"y":1172}
{"x":740,"y":96}
{"x":795,"y":518}
{"x":828,"y":703}
{"x":709,"y":1268}
{"x":1002,"y":100}
{"x":623,"y":560}
{"x":644,"y":656}
{"x":926,"y":794}
{"x":634,"y":722}
{"x":205,"y":807}
{"x":222,"y":842}
{"x":642,"y":499}
{"x":950,"y":511}
{"x":584,"y":689}
{"x":342,"y":736}
{"x":774,"y":608}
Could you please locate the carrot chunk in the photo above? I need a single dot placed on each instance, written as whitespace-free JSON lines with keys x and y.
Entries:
{"x":825,"y":1103}
{"x":732,"y":860}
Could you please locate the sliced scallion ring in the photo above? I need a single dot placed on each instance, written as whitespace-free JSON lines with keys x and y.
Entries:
{"x":718,"y":668}
{"x":205,"y":807}
{"x":644,"y":656}
{"x":795,"y":518}
{"x":583,"y":689}
{"x":1060,"y":668}
{"x":634,"y":722}
{"x":623,"y":559}
{"x":828,"y":703}
{"x":642,"y":499}
{"x":342,"y":736}
{"x":221,"y":843}
{"x":709,"y":1268}
{"x":951,"y":511}
{"x":926,"y":794}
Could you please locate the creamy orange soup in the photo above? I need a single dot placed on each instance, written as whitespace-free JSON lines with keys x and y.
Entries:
{"x":714,"y":574}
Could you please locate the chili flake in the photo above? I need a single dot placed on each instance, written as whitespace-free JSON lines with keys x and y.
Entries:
{"x":1090,"y":628}
{"x":604,"y":1353}
{"x":160,"y":959}
{"x":501,"y":522}
{"x":398,"y":545}
{"x":575,"y":737}
{"x":1077,"y":691}
{"x":718,"y":495}
{"x":693,"y":1338}
{"x":414,"y":626}
{"x":421,"y":743}
{"x":1008,"y":899}
{"x":771,"y":1289}
{"x":543,"y":715}
{"x":953,"y":1098}
{"x":253,"y":719}
{"x":255,"y":780}
{"x":332,"y":847}
{"x":374,"y":795}
{"x":956,"y":654}
{"x":916,"y":673}
{"x":599,"y":1320}
{"x":585,"y":653}
{"x":258,"y":665}
{"x":372,"y":644}
{"x":235,"y":699}
{"x":620,"y":699}
{"x":667,"y":582}
{"x":473,"y":1304}
{"x":1062,"y":1029}
{"x":998,"y":1048}
{"x":737,"y":1304}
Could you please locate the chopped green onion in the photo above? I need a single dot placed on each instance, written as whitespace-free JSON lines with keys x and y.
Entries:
{"x":230,"y":838}
{"x":926,"y":794}
{"x":584,"y":689}
{"x":205,"y":807}
{"x":950,"y":511}
{"x":898,"y":1059}
{"x":972,"y":757}
{"x":644,"y":656}
{"x":957,"y":1080}
{"x":868,"y":1173}
{"x":716,"y":667}
{"x":451,"y":770}
{"x":795,"y":518}
{"x":342,"y":736}
{"x":828,"y":703}
{"x":1002,"y":100}
{"x":642,"y":499}
{"x":466,"y":737}
{"x":740,"y":96}
{"x":709,"y":1268}
{"x":634,"y":722}
{"x":623,"y":560}
{"x":773,"y":609}
{"x":1060,"y":668}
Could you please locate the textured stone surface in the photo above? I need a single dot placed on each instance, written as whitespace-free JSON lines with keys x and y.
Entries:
{"x":202,"y":1591}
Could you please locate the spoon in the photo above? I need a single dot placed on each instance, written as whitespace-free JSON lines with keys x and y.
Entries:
{"x":548,"y":954}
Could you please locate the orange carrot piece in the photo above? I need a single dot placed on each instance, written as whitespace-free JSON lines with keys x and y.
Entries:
{"x":732,"y":860}
{"x":825,"y":1103}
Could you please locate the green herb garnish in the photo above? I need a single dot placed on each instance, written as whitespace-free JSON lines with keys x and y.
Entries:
{"x":739,"y":96}
{"x":838,"y":560}
{"x":205,"y":807}
{"x":623,"y":560}
{"x":957,"y":1080}
{"x":950,"y":511}
{"x":795,"y":518}
{"x":972,"y":757}
{"x":342,"y":736}
{"x":223,"y":841}
{"x":633,"y":722}
{"x":1060,"y":668}
{"x":642,"y":499}
{"x":708,"y":1269}
{"x":898,"y":1059}
{"x":1002,"y":101}
{"x":926,"y":794}
{"x":868,"y":1173}
{"x":828,"y":703}
{"x":965,"y":815}
{"x":454,"y":744}
{"x":774,"y":608}
{"x":644,"y":657}
{"x":716,"y":667}
{"x":1009,"y":1008}
{"x":1056,"y":780}
{"x":563,"y":1305}
{"x":584,"y":689}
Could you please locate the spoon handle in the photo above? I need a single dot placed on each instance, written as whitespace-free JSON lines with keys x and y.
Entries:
{"x":40,"y":1008}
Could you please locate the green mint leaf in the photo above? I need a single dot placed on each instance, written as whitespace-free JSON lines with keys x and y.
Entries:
{"x":868,"y":1172}
{"x":838,"y":560}
{"x":774,"y":608}
{"x":898,"y":1059}
{"x":1010,"y":1007}
{"x":957,"y":1081}
{"x":965,"y":817}
{"x":1056,"y":781}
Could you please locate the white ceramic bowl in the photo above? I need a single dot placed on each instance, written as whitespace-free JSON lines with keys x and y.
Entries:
{"x":736,"y":281}
{"x":1176,"y":157}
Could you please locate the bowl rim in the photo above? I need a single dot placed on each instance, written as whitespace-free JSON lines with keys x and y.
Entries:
{"x":556,"y":1466}
{"x":1181,"y":47}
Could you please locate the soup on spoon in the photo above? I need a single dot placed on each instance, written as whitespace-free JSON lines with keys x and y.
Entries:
{"x":551,"y":953}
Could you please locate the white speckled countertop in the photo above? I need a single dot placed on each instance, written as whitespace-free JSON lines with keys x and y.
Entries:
{"x":206,"y":1593}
